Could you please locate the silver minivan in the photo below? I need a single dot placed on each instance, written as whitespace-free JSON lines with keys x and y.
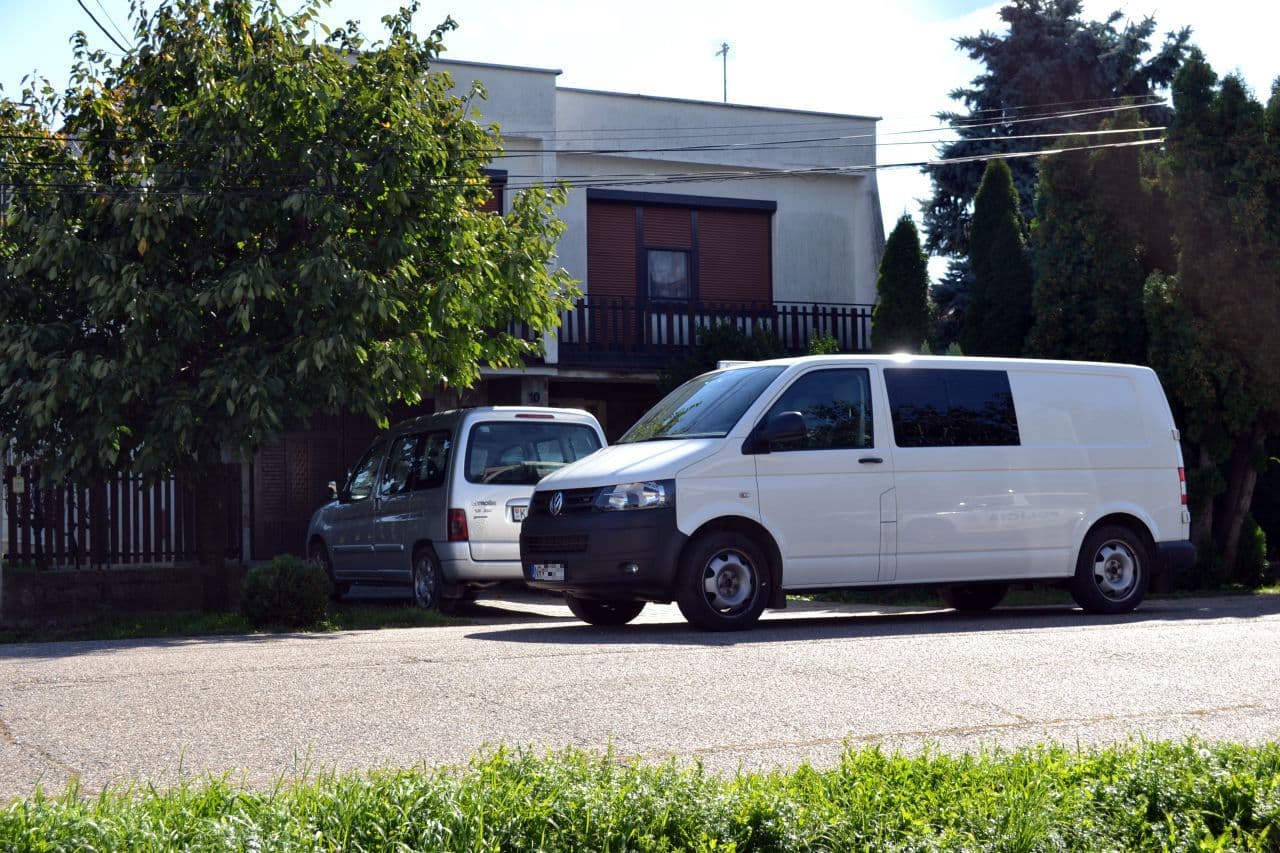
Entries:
{"x":437,"y":502}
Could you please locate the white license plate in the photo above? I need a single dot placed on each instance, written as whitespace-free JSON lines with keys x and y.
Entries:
{"x":518,"y":513}
{"x":547,"y":571}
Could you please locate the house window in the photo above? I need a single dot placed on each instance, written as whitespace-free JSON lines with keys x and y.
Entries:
{"x":668,"y":274}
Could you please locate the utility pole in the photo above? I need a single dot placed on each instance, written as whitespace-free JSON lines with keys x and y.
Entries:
{"x":723,"y":52}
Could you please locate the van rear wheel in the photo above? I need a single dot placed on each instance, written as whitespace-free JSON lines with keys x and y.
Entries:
{"x":427,"y":579}
{"x":974,"y":598}
{"x":1113,"y":571}
{"x":723,"y":583}
{"x":603,"y":612}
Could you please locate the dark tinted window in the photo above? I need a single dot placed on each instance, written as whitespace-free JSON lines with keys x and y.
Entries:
{"x":836,"y":406}
{"x":951,"y":408}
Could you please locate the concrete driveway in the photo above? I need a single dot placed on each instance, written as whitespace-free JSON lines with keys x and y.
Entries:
{"x":522,"y":672}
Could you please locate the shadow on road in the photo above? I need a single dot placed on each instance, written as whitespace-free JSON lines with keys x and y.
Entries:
{"x":854,"y":621}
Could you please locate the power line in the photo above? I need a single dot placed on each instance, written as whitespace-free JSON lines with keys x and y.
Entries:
{"x":801,"y":143}
{"x":574,"y":181}
{"x":111,"y":20}
{"x":105,"y":31}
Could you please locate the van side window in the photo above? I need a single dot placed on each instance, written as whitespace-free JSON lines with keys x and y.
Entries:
{"x":433,"y":460}
{"x":360,"y":483}
{"x":933,"y":407}
{"x":836,"y":405}
{"x":398,"y":476}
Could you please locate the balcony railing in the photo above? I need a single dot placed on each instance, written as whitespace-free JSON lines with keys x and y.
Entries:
{"x":611,"y":332}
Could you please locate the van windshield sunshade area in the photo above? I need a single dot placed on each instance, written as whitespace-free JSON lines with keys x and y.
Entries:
{"x":522,"y":453}
{"x":705,"y":407}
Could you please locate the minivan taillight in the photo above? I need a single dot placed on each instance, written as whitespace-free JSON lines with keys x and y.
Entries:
{"x":1182,"y":484}
{"x":457,"y":525}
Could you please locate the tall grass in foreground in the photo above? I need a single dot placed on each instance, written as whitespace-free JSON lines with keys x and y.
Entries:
{"x":1154,"y":796}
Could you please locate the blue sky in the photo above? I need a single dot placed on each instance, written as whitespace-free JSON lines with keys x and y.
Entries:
{"x":895,"y":60}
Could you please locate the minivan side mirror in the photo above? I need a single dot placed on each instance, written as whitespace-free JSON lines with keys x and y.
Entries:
{"x":784,"y":426}
{"x":331,"y":490}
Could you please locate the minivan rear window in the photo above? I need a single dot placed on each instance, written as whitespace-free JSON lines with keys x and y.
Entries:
{"x":706,"y":406}
{"x":523,"y":452}
{"x":934,"y":407}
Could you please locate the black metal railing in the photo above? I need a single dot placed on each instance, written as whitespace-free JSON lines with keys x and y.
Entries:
{"x":614,"y":332}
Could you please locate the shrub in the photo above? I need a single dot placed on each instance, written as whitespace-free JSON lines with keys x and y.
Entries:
{"x":1252,"y":557}
{"x":287,"y":591}
{"x":823,"y":344}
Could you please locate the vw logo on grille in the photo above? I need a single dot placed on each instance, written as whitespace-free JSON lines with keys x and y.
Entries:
{"x":557,"y":503}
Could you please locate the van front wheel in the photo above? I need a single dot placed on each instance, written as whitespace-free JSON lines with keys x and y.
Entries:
{"x":599,"y":612}
{"x":723,"y":583}
{"x":1112,"y":572}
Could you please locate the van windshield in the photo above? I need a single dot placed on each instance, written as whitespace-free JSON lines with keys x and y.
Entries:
{"x":705,"y":407}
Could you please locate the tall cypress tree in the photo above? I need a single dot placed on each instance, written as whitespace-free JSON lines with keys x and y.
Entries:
{"x":999,"y":314}
{"x":900,"y":320}
{"x":1090,"y":258}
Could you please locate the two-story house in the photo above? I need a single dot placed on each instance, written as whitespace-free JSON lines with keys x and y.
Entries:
{"x":680,"y":214}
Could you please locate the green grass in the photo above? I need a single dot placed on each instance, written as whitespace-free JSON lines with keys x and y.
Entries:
{"x":342,"y":617}
{"x":1144,"y":796}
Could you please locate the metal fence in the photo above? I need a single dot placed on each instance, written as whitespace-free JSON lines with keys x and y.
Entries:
{"x":122,"y":521}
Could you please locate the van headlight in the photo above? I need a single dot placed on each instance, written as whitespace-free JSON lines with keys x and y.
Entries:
{"x":654,"y":494}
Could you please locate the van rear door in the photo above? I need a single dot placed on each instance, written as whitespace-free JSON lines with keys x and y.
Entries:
{"x":502,"y":461}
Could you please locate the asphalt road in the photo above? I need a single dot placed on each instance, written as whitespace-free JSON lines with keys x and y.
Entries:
{"x":798,"y":687}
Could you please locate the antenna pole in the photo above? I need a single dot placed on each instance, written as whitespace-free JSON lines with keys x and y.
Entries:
{"x":723,"y":52}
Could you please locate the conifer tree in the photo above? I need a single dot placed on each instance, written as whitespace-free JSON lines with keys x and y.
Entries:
{"x":1090,"y":260}
{"x":900,"y":320}
{"x":999,"y":314}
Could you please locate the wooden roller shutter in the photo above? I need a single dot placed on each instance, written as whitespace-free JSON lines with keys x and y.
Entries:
{"x":735,"y":256}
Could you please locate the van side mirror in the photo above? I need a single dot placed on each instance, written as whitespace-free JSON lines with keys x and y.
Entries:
{"x":332,"y":490}
{"x":784,"y":426}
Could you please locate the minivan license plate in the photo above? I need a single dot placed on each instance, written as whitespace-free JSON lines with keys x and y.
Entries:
{"x":548,"y":571}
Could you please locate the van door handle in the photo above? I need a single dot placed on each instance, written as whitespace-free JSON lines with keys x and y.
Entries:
{"x":871,"y":460}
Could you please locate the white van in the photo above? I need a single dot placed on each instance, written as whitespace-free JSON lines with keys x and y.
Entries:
{"x":436,"y":502}
{"x":829,"y":472}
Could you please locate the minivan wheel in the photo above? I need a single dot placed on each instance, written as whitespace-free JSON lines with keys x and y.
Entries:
{"x":1113,"y":571}
{"x":428,"y":581}
{"x":601,"y":612}
{"x":320,"y":556}
{"x":723,"y":583}
{"x":974,"y":598}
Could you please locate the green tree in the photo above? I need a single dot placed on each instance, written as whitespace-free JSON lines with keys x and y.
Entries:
{"x":1090,"y":258}
{"x":1051,"y":72}
{"x":999,"y":314}
{"x":1213,"y":323}
{"x":900,"y":319}
{"x":235,"y":228}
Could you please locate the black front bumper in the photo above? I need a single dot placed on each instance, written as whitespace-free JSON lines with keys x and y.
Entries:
{"x":606,"y":555}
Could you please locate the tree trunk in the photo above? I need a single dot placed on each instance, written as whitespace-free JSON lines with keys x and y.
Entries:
{"x":1202,"y":517}
{"x":211,"y":534}
{"x":1242,"y":476}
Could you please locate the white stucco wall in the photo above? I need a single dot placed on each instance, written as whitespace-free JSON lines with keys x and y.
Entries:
{"x":817,"y":168}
